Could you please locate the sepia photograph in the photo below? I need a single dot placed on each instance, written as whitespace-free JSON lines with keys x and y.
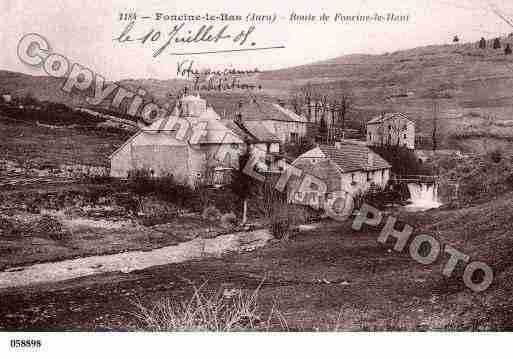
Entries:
{"x":255,"y":167}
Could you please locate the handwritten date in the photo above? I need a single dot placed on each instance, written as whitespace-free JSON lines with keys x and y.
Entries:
{"x":182,"y":35}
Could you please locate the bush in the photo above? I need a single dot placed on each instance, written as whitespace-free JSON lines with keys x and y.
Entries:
{"x":157,"y":212}
{"x":280,"y":228}
{"x":509,"y":180}
{"x":211,"y":213}
{"x":378,"y":197}
{"x":229,"y":220}
{"x":403,"y":160}
{"x":203,"y":312}
{"x":140,"y":181}
{"x":281,"y":219}
{"x":165,"y":187}
{"x":131,"y":204}
{"x":297,"y":149}
{"x":10,"y":227}
{"x":50,"y":227}
{"x":495,"y":155}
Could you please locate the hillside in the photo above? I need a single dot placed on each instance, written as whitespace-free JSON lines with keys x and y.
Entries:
{"x":469,"y":84}
{"x":472,"y":87}
{"x":46,"y":88}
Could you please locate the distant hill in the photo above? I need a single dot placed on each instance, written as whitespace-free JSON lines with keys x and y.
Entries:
{"x":46,"y":88}
{"x":464,"y":79}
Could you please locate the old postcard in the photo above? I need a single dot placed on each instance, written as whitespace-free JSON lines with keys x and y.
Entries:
{"x":265,"y":167}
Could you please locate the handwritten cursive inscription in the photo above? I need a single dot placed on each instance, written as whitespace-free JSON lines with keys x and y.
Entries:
{"x":180,"y":34}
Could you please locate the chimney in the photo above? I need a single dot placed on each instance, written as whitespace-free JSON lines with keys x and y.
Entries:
{"x":370,"y":158}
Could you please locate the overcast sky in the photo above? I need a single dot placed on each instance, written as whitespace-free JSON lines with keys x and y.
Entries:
{"x":83,"y":31}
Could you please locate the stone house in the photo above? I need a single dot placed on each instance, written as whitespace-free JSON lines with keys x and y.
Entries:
{"x":193,"y":145}
{"x":280,"y":121}
{"x":349,"y":166}
{"x":391,"y":129}
{"x":262,"y":145}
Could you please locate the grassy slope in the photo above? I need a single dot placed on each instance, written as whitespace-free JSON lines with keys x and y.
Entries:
{"x":22,"y":141}
{"x":161,"y":91}
{"x":331,"y":278}
{"x":466,"y":78}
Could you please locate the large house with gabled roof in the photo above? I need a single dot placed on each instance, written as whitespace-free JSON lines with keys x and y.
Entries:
{"x":278,"y":120}
{"x":193,"y":145}
{"x":349,"y":166}
{"x":391,"y":129}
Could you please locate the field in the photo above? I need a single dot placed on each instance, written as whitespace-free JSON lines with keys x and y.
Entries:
{"x":330,"y":279}
{"x":23,"y":141}
{"x":333,"y":278}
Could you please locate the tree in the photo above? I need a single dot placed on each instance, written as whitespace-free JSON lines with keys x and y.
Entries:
{"x":344,"y":106}
{"x":324,"y":104}
{"x":434,"y":131}
{"x":323,"y":129}
{"x":482,"y":43}
{"x":297,"y":102}
{"x":507,"y":50}
{"x":242,"y":184}
{"x":380,"y":129}
{"x":497,"y":43}
{"x":433,"y":94}
{"x":456,"y":39}
{"x":306,"y":93}
{"x":28,"y":99}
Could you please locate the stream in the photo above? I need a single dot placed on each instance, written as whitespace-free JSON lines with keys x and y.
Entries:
{"x":132,"y":261}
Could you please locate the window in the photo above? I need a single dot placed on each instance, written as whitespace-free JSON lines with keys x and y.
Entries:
{"x":294,"y":137}
{"x":405,"y":136}
{"x":369,"y":176}
{"x":353,"y":182}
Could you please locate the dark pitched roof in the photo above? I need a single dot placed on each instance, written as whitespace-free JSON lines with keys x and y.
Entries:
{"x":252,"y":132}
{"x":354,"y":157}
{"x":257,"y":110}
{"x":244,"y":135}
{"x":260,"y":132}
{"x":388,"y":116}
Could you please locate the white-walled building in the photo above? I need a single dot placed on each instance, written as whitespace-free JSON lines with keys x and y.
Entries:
{"x":192,"y":146}
{"x":348,"y":166}
{"x":280,"y":121}
{"x":391,"y":129}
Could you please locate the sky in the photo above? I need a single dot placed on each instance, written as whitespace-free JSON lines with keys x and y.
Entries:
{"x":85,"y":31}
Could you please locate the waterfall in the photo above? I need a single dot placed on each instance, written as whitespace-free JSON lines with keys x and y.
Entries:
{"x":423,"y":196}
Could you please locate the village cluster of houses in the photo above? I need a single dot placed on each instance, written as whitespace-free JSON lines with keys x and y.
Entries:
{"x":261,"y":129}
